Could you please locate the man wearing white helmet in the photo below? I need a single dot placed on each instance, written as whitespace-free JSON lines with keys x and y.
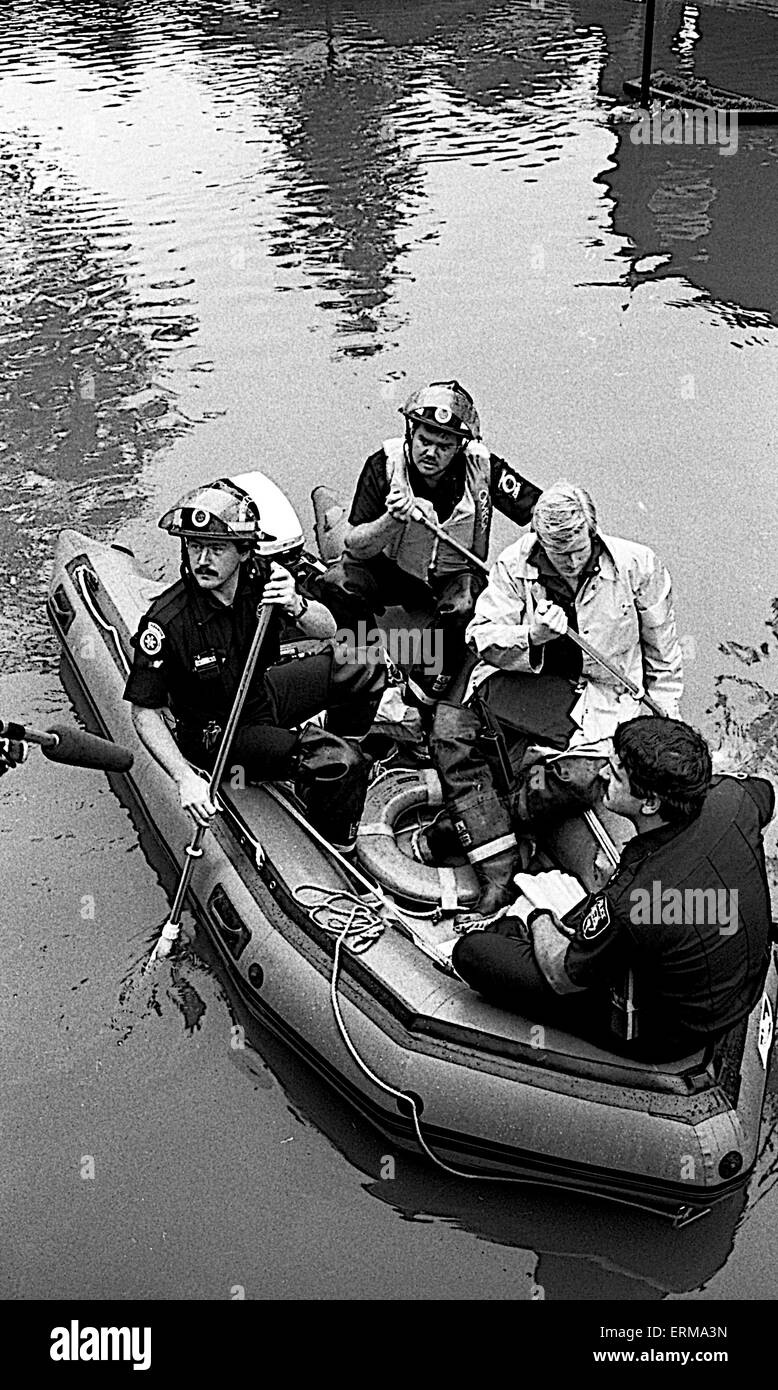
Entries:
{"x":562,"y":574}
{"x":441,"y":469}
{"x":191,"y":649}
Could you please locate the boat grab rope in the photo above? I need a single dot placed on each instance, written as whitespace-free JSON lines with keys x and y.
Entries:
{"x":79,"y":574}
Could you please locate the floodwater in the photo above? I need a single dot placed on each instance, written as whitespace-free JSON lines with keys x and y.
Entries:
{"x":235,"y":235}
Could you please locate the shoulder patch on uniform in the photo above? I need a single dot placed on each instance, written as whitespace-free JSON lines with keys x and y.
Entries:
{"x":151,"y":639}
{"x":509,"y":481}
{"x":596,"y":920}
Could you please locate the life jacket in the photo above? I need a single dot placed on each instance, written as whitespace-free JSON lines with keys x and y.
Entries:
{"x":415,"y":549}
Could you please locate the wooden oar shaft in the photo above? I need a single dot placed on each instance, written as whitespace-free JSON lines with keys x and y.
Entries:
{"x":193,"y":851}
{"x":263,"y":624}
{"x":575,"y":637}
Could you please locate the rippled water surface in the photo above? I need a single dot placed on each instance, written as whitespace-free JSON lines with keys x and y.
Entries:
{"x":235,"y":235}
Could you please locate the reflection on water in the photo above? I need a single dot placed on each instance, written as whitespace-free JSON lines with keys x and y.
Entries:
{"x":678,"y":201}
{"x":717,"y":224}
{"x":358,"y":121}
{"x":584,"y":1249}
{"x":78,"y":409}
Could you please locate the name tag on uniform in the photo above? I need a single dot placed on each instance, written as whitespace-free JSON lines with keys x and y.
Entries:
{"x":206,"y":663}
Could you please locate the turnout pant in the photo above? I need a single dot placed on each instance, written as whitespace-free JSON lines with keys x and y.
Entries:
{"x":356,"y":591}
{"x":329,"y":771}
{"x":489,"y":798}
{"x":478,"y":799}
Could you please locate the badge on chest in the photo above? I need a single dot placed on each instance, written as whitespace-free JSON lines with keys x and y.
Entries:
{"x":207,"y":665}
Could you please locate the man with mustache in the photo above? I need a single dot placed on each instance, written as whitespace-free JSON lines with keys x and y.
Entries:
{"x":191,"y":649}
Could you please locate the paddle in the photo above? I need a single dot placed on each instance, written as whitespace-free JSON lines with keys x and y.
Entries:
{"x":171,"y":928}
{"x":575,"y":637}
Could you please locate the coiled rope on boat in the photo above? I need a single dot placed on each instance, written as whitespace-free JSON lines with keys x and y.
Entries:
{"x":359,"y":926}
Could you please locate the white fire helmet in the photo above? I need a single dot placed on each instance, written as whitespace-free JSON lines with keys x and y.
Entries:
{"x":281,"y":536}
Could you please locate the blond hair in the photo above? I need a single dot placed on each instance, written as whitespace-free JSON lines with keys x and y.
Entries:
{"x":561,"y":513}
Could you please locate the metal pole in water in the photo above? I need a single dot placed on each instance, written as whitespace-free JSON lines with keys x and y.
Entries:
{"x":648,"y":45}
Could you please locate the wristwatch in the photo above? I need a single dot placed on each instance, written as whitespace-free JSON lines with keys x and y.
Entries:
{"x":303,"y":609}
{"x":561,"y":926}
{"x":537,"y":912}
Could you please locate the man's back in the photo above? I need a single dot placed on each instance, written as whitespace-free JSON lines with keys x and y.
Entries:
{"x":696,"y":906}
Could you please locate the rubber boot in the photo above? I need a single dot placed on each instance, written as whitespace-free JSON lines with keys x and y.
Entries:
{"x":331,"y":777}
{"x":483,"y":823}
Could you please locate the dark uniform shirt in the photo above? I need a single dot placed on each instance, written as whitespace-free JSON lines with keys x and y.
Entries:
{"x":689,"y":912}
{"x":191,"y":650}
{"x":510,"y":492}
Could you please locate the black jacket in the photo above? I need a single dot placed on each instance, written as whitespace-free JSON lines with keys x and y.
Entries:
{"x":689,"y":912}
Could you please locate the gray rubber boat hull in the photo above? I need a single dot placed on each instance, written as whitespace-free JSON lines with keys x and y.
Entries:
{"x":497,"y":1094}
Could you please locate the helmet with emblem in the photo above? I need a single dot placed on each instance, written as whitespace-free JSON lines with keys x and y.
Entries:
{"x":220,"y":510}
{"x":445,"y":405}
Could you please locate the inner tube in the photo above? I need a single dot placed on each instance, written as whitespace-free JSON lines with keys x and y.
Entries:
{"x":397,"y":791}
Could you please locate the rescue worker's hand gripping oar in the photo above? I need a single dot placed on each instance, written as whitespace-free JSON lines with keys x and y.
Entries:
{"x":591,"y":652}
{"x":194,"y":793}
{"x":549,"y":622}
{"x":280,"y":590}
{"x":401,"y":503}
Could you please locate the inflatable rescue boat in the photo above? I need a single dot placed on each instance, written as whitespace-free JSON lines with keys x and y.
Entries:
{"x":349,"y":964}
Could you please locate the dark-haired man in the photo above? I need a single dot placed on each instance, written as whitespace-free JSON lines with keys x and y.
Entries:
{"x":439,"y":469}
{"x":676,"y":948}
